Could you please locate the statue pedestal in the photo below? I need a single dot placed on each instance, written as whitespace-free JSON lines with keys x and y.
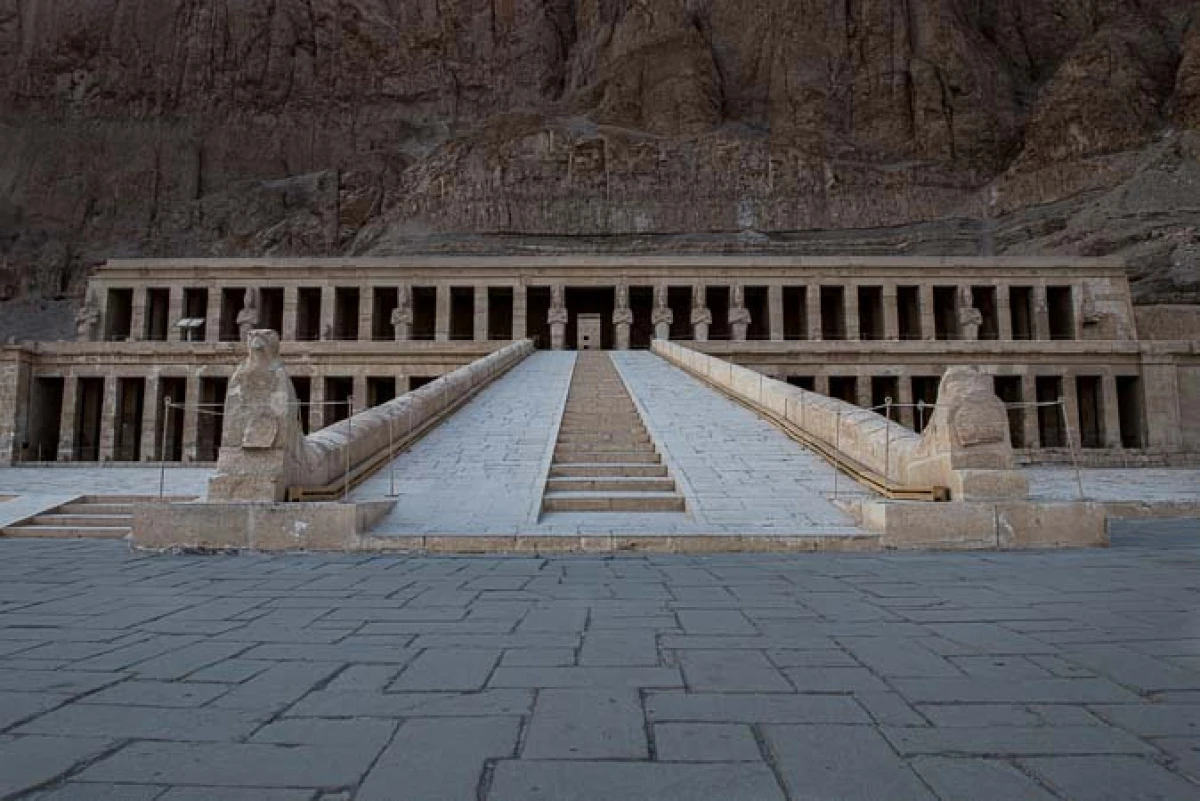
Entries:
{"x":403,"y":332}
{"x":622,"y":336}
{"x":739,"y":331}
{"x":662,"y":331}
{"x":700,"y":332}
{"x":558,"y":336}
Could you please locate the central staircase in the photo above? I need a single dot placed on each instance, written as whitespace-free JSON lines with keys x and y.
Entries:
{"x":604,"y":460}
{"x":92,"y":516}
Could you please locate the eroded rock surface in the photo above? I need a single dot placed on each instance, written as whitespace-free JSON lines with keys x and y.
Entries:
{"x":317,"y":127}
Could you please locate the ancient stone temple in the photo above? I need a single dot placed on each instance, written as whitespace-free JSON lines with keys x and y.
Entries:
{"x":159,"y":341}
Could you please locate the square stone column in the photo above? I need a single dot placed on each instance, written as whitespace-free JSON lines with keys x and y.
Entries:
{"x":891,"y":313}
{"x":775,"y":312}
{"x":358,"y":395}
{"x":1004,"y":313}
{"x":821,"y":384}
{"x":108,"y":419}
{"x":191,"y":418}
{"x":174,"y":313}
{"x":291,"y":311}
{"x":1029,"y":398}
{"x":442,"y":323}
{"x":366,"y":309}
{"x":152,"y":416}
{"x":851,"y":305}
{"x":316,"y":402}
{"x":328,"y":312}
{"x":481,"y":313}
{"x":520,"y":311}
{"x":1164,"y":423}
{"x":928,"y":327}
{"x":862,"y":391}
{"x":1070,"y":411}
{"x":1041,"y":313}
{"x":907,"y":414}
{"x":66,"y":420}
{"x":812,"y":311}
{"x":1110,"y":408}
{"x":212,"y":315}
{"x":137,"y":318}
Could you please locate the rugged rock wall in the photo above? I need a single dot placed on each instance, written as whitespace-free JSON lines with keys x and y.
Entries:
{"x":313,"y":127}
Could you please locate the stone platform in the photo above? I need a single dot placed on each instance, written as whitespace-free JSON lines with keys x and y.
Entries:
{"x":989,"y":677}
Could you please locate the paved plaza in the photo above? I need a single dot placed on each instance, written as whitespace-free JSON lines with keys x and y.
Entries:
{"x":1071,"y":674}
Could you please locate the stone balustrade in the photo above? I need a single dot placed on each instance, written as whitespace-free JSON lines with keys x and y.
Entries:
{"x":965,"y":448}
{"x":264,"y":452}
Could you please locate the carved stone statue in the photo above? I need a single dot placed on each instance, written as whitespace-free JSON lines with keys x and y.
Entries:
{"x":662,"y":316}
{"x":969,"y":321}
{"x":701,"y":316}
{"x":558,"y":318}
{"x":248,"y":317}
{"x":622,"y":316}
{"x":87,"y":320}
{"x":262,"y":442}
{"x":402,"y":315}
{"x":739,"y":315}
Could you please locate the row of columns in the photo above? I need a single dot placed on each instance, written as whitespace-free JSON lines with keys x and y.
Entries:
{"x":775,"y":299}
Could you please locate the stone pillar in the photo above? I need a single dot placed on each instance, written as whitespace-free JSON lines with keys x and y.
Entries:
{"x":1041,"y":313}
{"x":366,"y":311}
{"x":191,"y":418}
{"x":316,"y":402}
{"x":928,"y":327}
{"x":328,"y":312}
{"x":481,"y":313}
{"x":907,"y":414}
{"x":108,"y":419}
{"x":1004,"y":313}
{"x":862,"y":391}
{"x":66,"y":424}
{"x":775,"y":312}
{"x":174,"y":314}
{"x":212,"y":315}
{"x":1070,"y":411}
{"x":152,"y":415}
{"x":291,"y":310}
{"x":622,"y":336}
{"x":520,"y":311}
{"x":1164,"y":423}
{"x":1110,"y":408}
{"x":891,"y":313}
{"x":1029,"y":399}
{"x":852,"y":321}
{"x":137,"y":319}
{"x":812,"y":311}
{"x":358,"y":395}
{"x":441,"y":325}
{"x":821,"y":384}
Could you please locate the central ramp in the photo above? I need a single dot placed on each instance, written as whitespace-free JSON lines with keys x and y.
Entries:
{"x":604,"y":460}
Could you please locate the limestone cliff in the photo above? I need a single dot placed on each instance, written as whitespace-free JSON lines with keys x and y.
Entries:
{"x":313,"y":127}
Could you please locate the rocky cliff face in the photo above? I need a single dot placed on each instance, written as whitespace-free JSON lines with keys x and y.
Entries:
{"x":312,"y":127}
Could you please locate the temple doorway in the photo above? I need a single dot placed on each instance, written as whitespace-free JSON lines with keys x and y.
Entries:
{"x":589,"y":302}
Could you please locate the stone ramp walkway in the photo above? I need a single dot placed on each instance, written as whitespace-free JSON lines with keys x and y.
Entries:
{"x":737,"y":470}
{"x":481,"y":471}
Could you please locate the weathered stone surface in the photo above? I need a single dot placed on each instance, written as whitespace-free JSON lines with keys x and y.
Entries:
{"x":144,"y":127}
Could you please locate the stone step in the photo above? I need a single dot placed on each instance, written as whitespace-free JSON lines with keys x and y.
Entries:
{"x":602,"y":445}
{"x":134,"y":499}
{"x":68,"y":532}
{"x":617,"y":469}
{"x":641,"y":457}
{"x":612,"y":502}
{"x":610,"y":484}
{"x":95,"y":509}
{"x":600,"y":436}
{"x":82,"y":520}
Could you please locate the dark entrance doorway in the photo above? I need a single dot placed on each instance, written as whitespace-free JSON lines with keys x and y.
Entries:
{"x":589,"y":300}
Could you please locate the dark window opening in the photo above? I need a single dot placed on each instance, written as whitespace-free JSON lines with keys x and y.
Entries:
{"x":1061,"y":312}
{"x":844,"y":387}
{"x":870,"y":312}
{"x":345,"y":313}
{"x":641,"y":303}
{"x":303,"y":385}
{"x":924,"y":394}
{"x":984,"y":299}
{"x":89,"y":406}
{"x":1090,"y":404}
{"x":45,"y":418}
{"x":807,"y":382}
{"x":1020,"y":302}
{"x":500,"y":313}
{"x":908,"y":312}
{"x":717,"y":300}
{"x":127,"y":438}
{"x":462,"y":312}
{"x":1050,"y":418}
{"x":760,"y":313}
{"x":424,"y":304}
{"x":384,"y":300}
{"x":232,"y":301}
{"x":833,"y":313}
{"x":158,"y":315}
{"x":118,"y":315}
{"x":945,"y":312}
{"x":795,"y":312}
{"x":211,"y":421}
{"x":1008,"y":389}
{"x":537,"y":316}
{"x":380,"y":390}
{"x":308,"y":314}
{"x":339,"y":394}
{"x":1131,"y":411}
{"x":168,"y":440}
{"x":586,"y":300}
{"x":195,"y":307}
{"x":415,"y":382}
{"x":270,"y":311}
{"x":679,"y":298}
{"x":883,"y":389}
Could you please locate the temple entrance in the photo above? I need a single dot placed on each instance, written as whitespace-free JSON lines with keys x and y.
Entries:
{"x":589,"y":331}
{"x":589,"y":303}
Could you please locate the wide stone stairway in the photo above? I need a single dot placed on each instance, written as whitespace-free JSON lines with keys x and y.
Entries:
{"x":604,"y":459}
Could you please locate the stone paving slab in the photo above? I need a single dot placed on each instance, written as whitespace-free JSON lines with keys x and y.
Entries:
{"x":1064,"y":675}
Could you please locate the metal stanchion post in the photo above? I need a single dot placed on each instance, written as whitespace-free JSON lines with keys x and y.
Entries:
{"x":162,"y":455}
{"x":887,"y":443}
{"x":391,"y":462}
{"x":1062,"y":404}
{"x":921,"y":415}
{"x":837,"y":453}
{"x":349,"y":441}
